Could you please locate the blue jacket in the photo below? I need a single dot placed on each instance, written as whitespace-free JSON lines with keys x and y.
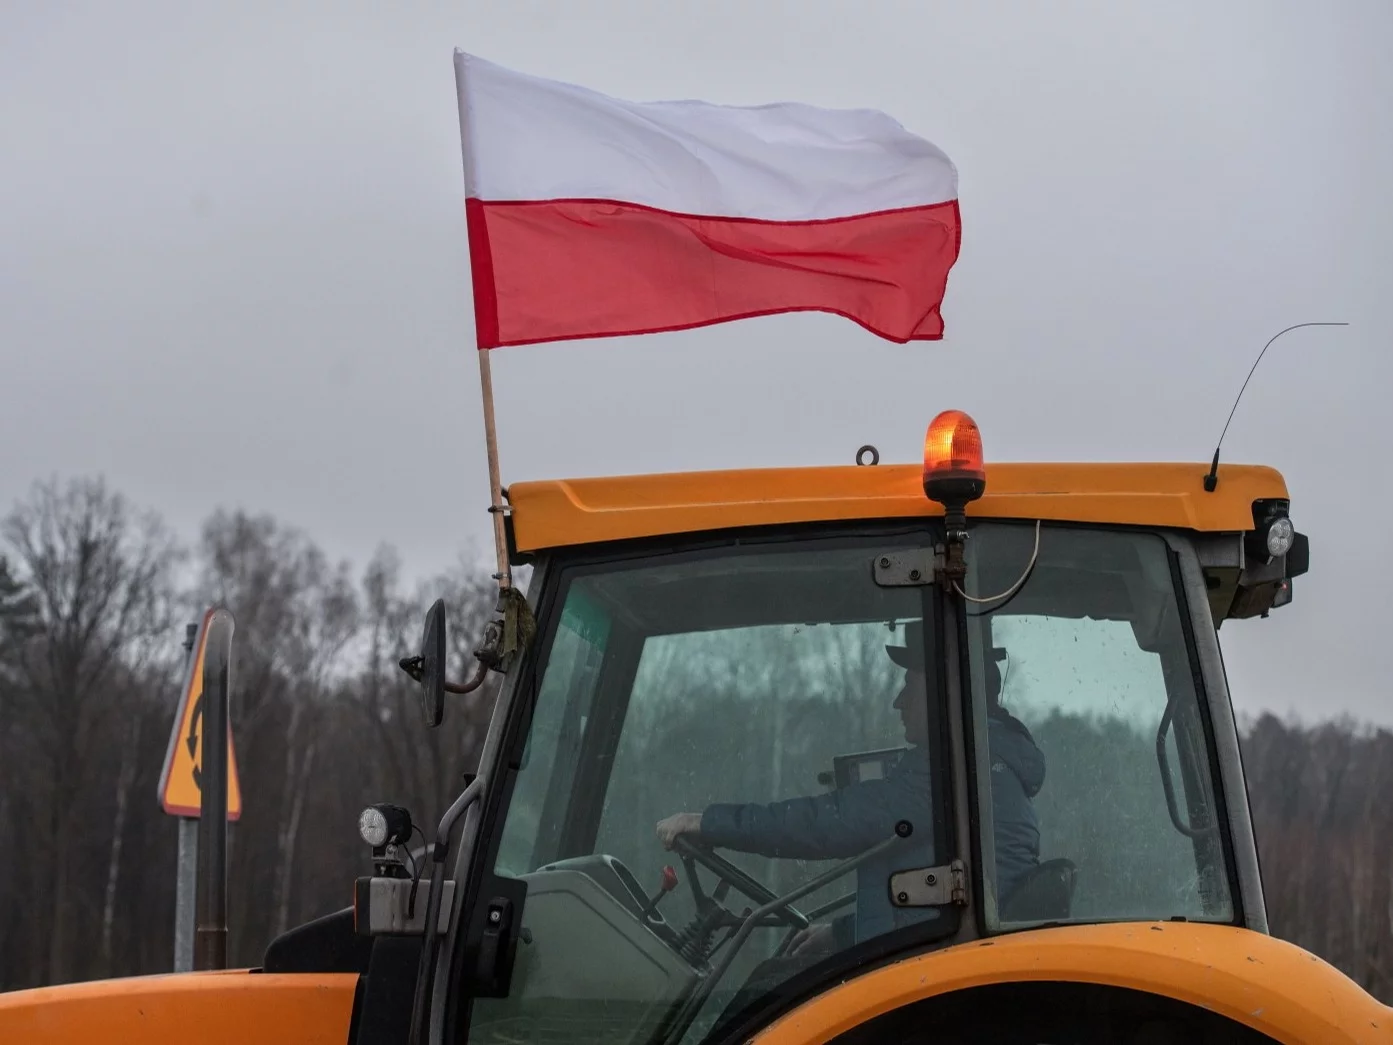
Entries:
{"x":848,"y":821}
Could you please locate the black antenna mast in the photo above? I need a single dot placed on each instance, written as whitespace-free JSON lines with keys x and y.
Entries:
{"x":1212,"y":479}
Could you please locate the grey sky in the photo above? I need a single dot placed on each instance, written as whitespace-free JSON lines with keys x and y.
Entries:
{"x":233,"y":267}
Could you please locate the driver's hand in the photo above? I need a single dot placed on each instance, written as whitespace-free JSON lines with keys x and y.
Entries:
{"x":678,"y":824}
{"x":815,"y":939}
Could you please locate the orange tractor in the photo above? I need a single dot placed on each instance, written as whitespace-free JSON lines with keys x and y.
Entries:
{"x":845,"y":754}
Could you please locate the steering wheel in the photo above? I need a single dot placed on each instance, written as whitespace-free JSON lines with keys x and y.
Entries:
{"x":730,"y":876}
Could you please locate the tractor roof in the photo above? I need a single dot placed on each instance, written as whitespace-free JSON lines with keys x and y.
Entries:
{"x":567,"y":512}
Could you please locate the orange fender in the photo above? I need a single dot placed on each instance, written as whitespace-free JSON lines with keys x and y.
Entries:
{"x":1256,"y":980}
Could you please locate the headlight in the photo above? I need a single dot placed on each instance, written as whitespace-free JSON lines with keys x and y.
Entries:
{"x":372,"y":825}
{"x":384,"y":824}
{"x":1280,"y":535}
{"x":1273,"y":534}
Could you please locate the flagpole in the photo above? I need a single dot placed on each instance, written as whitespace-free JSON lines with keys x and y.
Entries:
{"x":496,"y":506}
{"x":497,"y":509}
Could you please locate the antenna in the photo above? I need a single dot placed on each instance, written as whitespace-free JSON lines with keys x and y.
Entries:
{"x":1212,"y":479}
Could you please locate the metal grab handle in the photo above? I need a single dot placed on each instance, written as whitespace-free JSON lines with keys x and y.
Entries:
{"x":1163,"y":760}
{"x":813,"y":916}
{"x":425,"y":972}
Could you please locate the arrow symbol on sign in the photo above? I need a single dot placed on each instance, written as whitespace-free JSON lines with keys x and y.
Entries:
{"x":192,"y":740}
{"x":193,"y":726}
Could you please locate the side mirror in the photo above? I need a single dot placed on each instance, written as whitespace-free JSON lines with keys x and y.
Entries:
{"x":428,"y":669}
{"x":433,"y":665}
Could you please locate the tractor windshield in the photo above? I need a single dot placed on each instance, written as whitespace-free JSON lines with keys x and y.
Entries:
{"x":1091,"y":658}
{"x":740,"y":707}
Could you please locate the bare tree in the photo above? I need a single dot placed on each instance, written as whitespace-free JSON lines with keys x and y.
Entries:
{"x":1319,"y":810}
{"x":100,"y":577}
{"x":124,"y":780}
{"x":295,"y":613}
{"x":18,"y":624}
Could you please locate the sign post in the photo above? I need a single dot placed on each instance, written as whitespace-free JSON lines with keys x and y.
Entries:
{"x":188,"y":850}
{"x":181,"y":792}
{"x":183,"y":894}
{"x":210,"y":934}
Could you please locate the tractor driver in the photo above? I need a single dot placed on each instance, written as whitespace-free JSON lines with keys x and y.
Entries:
{"x":847,"y":821}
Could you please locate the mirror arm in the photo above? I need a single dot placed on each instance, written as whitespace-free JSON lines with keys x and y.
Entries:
{"x":474,"y":683}
{"x":415,"y":667}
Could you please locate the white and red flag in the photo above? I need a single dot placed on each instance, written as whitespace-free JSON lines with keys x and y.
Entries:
{"x":591,"y":217}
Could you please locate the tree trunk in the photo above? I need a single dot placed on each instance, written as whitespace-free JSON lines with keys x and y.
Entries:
{"x":118,"y":831}
{"x":292,"y":832}
{"x":58,"y":924}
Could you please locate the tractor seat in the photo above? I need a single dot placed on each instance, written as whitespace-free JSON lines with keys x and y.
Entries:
{"x":1046,"y":894}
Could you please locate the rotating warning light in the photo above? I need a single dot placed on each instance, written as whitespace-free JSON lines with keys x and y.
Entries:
{"x":954,"y":473}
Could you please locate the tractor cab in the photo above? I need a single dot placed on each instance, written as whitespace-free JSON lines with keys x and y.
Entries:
{"x":772,"y":729}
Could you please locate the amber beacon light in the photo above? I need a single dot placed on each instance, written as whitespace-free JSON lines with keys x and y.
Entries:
{"x":953,"y":470}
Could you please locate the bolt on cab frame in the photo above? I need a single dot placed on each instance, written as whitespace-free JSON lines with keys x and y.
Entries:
{"x":842,"y":754}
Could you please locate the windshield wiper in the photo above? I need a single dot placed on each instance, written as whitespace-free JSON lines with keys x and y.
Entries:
{"x":689,"y":1009}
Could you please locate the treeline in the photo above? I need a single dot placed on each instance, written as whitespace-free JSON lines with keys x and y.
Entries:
{"x":1321,"y":810}
{"x":94,"y":596}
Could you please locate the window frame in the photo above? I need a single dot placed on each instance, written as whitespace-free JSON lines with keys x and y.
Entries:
{"x":1179,"y":551}
{"x":1207,"y":709}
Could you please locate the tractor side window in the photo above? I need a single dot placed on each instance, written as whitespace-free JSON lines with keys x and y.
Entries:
{"x":533,"y":828}
{"x":1089,"y":661}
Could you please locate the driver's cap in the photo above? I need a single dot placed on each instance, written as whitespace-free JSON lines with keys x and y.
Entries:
{"x":911,"y":654}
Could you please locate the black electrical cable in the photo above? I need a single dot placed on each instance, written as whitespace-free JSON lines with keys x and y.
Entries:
{"x":415,"y":868}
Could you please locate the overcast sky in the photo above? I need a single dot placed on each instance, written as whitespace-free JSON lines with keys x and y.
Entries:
{"x":233,"y":268}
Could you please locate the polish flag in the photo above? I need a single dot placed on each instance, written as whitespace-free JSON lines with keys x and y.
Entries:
{"x":594,"y":217}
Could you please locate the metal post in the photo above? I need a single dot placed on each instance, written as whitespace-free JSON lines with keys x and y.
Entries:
{"x":210,"y":935}
{"x":186,"y":868}
{"x":184,"y":894}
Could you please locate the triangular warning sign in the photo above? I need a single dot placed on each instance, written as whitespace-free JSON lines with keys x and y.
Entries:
{"x":180,"y":793}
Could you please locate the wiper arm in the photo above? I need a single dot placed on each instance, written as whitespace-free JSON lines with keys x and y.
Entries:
{"x":688,"y":1012}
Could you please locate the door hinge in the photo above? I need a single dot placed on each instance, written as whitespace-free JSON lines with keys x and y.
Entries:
{"x":930,"y":886}
{"x":907,"y":569}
